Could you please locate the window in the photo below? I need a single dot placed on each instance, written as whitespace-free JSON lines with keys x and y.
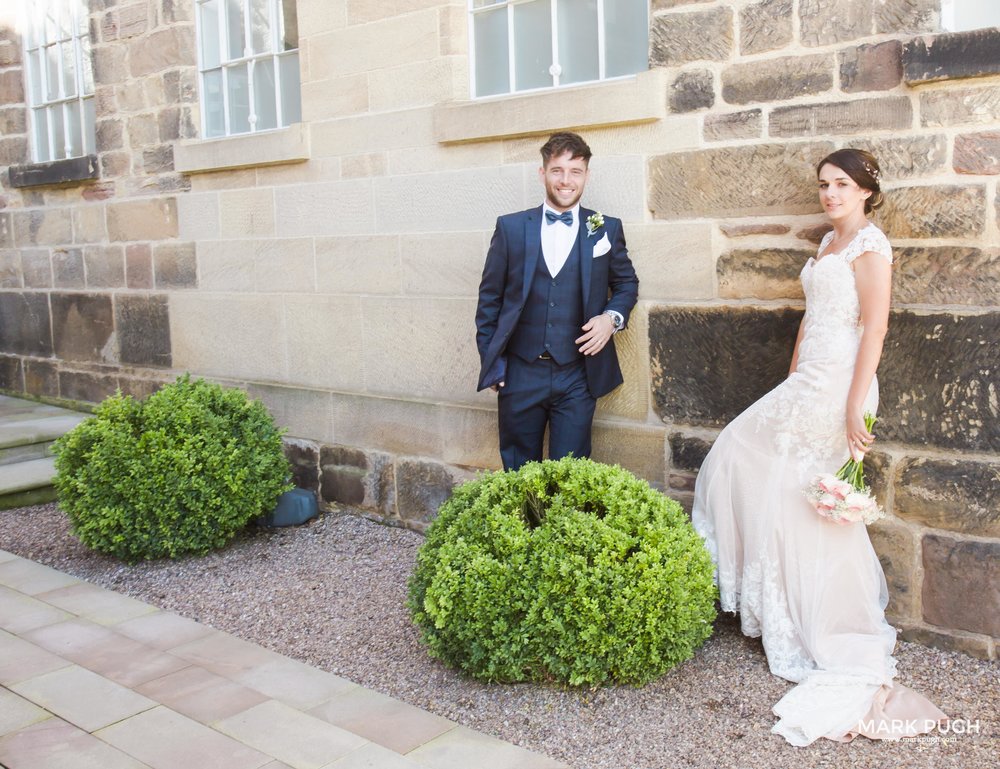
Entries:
{"x":521,"y":45}
{"x":59,"y":78}
{"x":964,"y":15}
{"x":248,"y":56}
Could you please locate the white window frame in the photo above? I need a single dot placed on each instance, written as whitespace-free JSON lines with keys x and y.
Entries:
{"x":555,"y":70}
{"x":38,"y":37}
{"x":250,"y":59}
{"x":950,"y":14}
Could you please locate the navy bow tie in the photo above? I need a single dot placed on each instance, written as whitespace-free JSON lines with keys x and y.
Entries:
{"x":566,"y":217}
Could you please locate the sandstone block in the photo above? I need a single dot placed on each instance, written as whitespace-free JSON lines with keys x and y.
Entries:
{"x":977,"y":153}
{"x":765,"y":273}
{"x":469,"y":437}
{"x":142,"y":324}
{"x":962,"y":584}
{"x":630,"y":400}
{"x":83,"y":327}
{"x":304,"y":413}
{"x":851,"y":117}
{"x":198,"y":216}
{"x":226,"y":265}
{"x":369,"y":164}
{"x":284,"y":265}
{"x":105,"y":266}
{"x":748,"y":351}
{"x":674,"y":261}
{"x":692,"y":90}
{"x":397,"y":426}
{"x":13,"y":150}
{"x":41,"y":378}
{"x":11,"y":372}
{"x":896,"y":547}
{"x":640,"y":450}
{"x":354,"y":477}
{"x":954,"y":55}
{"x":11,"y":87}
{"x":876,"y":67}
{"x":175,"y":265}
{"x":25,"y":327}
{"x":158,"y":160}
{"x":325,"y":348}
{"x":109,"y":134}
{"x":960,"y":106}
{"x":6,"y":230}
{"x":955,"y":275}
{"x":42,"y":227}
{"x":823,"y":22}
{"x":739,"y":230}
{"x":303,"y":456}
{"x":907,"y":157}
{"x":750,"y":180}
{"x":907,"y":16}
{"x":421,"y":488}
{"x":934,"y":212}
{"x":442,"y":264}
{"x":331,"y":208}
{"x":139,"y":265}
{"x":687,"y":452}
{"x":776,"y":79}
{"x":10,"y":268}
{"x":765,"y":26}
{"x":322,"y":17}
{"x":13,"y":120}
{"x":733,"y":125}
{"x":937,"y":379}
{"x":246,"y":213}
{"x":366,"y":264}
{"x":89,"y":223}
{"x":424,"y":83}
{"x":365,"y":11}
{"x":85,"y":386}
{"x":955,"y":495}
{"x":67,"y":268}
{"x":148,"y":219}
{"x":966,"y":643}
{"x":359,"y":49}
{"x":161,"y":50}
{"x":678,"y":38}
{"x":335,"y":97}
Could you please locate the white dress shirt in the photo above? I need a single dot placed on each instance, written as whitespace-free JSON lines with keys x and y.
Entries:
{"x":558,"y":239}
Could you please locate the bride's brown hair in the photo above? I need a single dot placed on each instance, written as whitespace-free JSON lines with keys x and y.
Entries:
{"x":863,"y":168}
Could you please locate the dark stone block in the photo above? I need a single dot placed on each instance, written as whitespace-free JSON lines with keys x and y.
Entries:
{"x":763,"y":273}
{"x":776,"y":79}
{"x":25,"y":326}
{"x":974,"y":646}
{"x":56,"y":172}
{"x":871,"y":67}
{"x":815,"y":233}
{"x":977,"y":153}
{"x":687,"y":452}
{"x":174,"y":265}
{"x":734,"y":125}
{"x":952,"y":55}
{"x":692,"y":91}
{"x":908,"y":156}
{"x":422,"y":487}
{"x":763,"y":228}
{"x":962,"y":584}
{"x":938,"y":211}
{"x":354,"y":477}
{"x":303,"y":457}
{"x":940,"y":275}
{"x":41,"y":378}
{"x":6,"y":230}
{"x":84,"y":386}
{"x":765,"y":26}
{"x":82,"y":326}
{"x":886,"y":113}
{"x":710,"y":363}
{"x":139,"y":388}
{"x":36,"y":268}
{"x":877,"y":466}
{"x":938,"y":380}
{"x":139,"y":265}
{"x":11,"y":374}
{"x":950,"y":494}
{"x":678,"y":38}
{"x":143,"y":326}
{"x":896,"y":547}
{"x":105,"y":266}
{"x":67,"y":268}
{"x":343,"y":455}
{"x":343,"y":484}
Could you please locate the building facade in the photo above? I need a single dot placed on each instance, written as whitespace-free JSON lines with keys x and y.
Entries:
{"x":296,"y":198}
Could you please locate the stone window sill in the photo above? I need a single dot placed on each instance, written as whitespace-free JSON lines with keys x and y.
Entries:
{"x":68,"y":171}
{"x":637,"y":99}
{"x":268,"y":148}
{"x":952,"y":55}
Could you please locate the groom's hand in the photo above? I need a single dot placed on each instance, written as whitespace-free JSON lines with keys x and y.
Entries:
{"x":598,"y":331}
{"x":496,"y":388}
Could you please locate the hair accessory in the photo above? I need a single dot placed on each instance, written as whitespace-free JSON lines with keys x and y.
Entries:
{"x":873,"y":172}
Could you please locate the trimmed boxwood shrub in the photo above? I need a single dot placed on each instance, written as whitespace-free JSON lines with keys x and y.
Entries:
{"x":564,"y":570}
{"x":178,"y":473}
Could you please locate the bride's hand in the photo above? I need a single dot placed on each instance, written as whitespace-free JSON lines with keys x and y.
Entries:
{"x":859,"y":440}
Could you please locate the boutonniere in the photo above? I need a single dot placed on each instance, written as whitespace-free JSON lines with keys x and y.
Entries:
{"x":594,"y":223}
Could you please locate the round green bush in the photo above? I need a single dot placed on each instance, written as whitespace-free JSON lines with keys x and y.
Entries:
{"x":178,"y":473}
{"x":564,"y":570}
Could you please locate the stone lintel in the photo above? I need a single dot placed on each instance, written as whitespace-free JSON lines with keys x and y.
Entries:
{"x":68,"y":171}
{"x":952,"y":55}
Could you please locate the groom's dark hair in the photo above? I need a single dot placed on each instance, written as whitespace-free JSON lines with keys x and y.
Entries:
{"x":561,"y":143}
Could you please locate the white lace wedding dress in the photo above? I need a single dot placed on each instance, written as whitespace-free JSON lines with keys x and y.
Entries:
{"x":813,"y":590}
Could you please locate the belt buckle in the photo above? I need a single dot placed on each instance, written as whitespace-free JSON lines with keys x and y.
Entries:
{"x":545,"y":356}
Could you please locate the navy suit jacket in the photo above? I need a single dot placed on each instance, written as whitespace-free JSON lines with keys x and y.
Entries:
{"x":608,"y":281}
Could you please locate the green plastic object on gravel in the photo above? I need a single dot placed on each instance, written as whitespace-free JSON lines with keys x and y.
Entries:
{"x":175,"y":474}
{"x":569,"y":571}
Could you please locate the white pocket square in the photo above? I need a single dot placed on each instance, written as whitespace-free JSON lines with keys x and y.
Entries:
{"x":602,"y":246}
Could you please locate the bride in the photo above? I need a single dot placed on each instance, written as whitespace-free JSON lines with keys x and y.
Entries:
{"x":812,"y":589}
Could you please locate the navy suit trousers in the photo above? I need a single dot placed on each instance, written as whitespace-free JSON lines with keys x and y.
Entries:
{"x":538,"y":393}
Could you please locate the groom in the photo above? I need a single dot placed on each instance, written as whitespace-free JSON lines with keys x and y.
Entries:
{"x":557,"y":285}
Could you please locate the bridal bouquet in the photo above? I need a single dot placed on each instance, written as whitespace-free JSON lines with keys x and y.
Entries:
{"x":844,"y":497}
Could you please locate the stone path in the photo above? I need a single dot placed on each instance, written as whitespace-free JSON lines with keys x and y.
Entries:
{"x":92,"y":679}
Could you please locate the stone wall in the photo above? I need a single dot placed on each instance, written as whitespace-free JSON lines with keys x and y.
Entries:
{"x":331,"y":268}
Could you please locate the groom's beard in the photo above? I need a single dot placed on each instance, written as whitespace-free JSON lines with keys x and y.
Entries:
{"x":558,"y":203}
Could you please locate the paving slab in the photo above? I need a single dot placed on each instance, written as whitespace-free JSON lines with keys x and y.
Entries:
{"x":294,"y":683}
{"x":104,"y":607}
{"x":463,"y":748}
{"x":55,"y":744}
{"x":163,"y":630}
{"x":32,"y":578}
{"x":20,"y":613}
{"x":201,"y":695}
{"x":373,"y":756}
{"x":17,"y":712}
{"x":20,"y":660}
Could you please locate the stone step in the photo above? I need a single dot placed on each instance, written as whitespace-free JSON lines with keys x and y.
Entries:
{"x":43,"y":429}
{"x":27,"y":483}
{"x":14,"y":454}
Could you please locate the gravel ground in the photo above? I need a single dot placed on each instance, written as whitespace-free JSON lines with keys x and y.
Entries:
{"x":332,"y":592}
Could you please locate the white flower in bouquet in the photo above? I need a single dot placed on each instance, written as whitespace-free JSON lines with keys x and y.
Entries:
{"x":844,"y":498}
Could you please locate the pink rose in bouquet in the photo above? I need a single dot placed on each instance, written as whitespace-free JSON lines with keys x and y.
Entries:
{"x":843,"y":497}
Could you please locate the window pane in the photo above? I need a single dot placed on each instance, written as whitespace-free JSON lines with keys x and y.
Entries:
{"x":213,"y":103}
{"x":289,"y":32}
{"x":35,"y":64}
{"x":58,"y":132}
{"x":260,"y":25}
{"x":65,"y":12}
{"x":51,"y":25}
{"x":42,"y":135}
{"x":209,"y":34}
{"x":68,"y":68}
{"x":89,"y":132}
{"x":52,"y":72}
{"x":626,"y":37}
{"x":291,"y":101}
{"x":578,"y":44}
{"x":238,"y":96}
{"x":235,"y":28}
{"x":492,"y":60}
{"x":264,"y":95}
{"x":88,"y":65}
{"x":532,"y":45}
{"x":74,"y":139}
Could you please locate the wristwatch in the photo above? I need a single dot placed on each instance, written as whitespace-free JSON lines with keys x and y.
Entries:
{"x":616,"y":319}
